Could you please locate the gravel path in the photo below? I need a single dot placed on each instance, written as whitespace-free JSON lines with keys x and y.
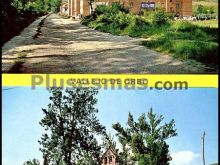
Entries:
{"x":64,"y":46}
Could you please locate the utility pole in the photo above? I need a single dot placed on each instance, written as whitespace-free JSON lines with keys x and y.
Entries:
{"x":203,"y":148}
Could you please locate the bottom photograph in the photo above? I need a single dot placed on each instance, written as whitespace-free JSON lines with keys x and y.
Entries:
{"x":88,"y":126}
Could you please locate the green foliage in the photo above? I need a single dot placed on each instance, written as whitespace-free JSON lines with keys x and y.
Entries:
{"x":37,"y":5}
{"x":147,"y":139}
{"x":47,"y":5}
{"x":32,"y":162}
{"x":116,"y":7}
{"x":184,"y":26}
{"x":108,"y":142}
{"x":18,"y":14}
{"x":163,"y":31}
{"x":187,"y":41}
{"x":115,"y":19}
{"x":102,"y":9}
{"x":204,"y":10}
{"x":71,"y":126}
{"x":160,"y":18}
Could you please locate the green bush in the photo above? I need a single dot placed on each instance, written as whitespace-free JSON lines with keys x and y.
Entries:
{"x":115,"y":19}
{"x":160,"y":18}
{"x":204,"y":10}
{"x":197,"y":50}
{"x":116,"y":7}
{"x":212,"y":32}
{"x":136,"y":27}
{"x":86,"y":20}
{"x":199,"y":34}
{"x":102,"y":9}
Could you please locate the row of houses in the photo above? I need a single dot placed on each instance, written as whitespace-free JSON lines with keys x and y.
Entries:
{"x":80,"y":8}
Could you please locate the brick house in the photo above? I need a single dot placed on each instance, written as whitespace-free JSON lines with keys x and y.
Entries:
{"x":79,"y":8}
{"x":109,"y":158}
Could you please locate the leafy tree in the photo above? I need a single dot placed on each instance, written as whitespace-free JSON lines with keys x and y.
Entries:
{"x":108,"y":142}
{"x":35,"y":5}
{"x":54,"y":5}
{"x":71,"y":126}
{"x":147,"y":139}
{"x":32,"y":162}
{"x":124,"y":154}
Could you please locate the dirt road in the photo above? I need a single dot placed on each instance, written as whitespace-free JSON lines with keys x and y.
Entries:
{"x":64,"y":46}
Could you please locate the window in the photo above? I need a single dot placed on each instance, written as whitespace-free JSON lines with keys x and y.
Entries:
{"x":110,"y":159}
{"x":178,"y":5}
{"x":171,"y":9}
{"x":106,"y":160}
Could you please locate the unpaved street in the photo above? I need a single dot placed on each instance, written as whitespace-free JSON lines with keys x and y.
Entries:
{"x":64,"y":46}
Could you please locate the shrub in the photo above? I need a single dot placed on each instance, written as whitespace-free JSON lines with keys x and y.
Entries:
{"x":86,"y":20}
{"x":160,"y":18}
{"x":136,"y":27}
{"x":102,"y":9}
{"x":204,"y":10}
{"x":116,"y":7}
{"x":199,"y":34}
{"x":115,"y":20}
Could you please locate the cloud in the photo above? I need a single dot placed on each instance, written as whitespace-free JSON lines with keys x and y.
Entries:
{"x":185,"y":158}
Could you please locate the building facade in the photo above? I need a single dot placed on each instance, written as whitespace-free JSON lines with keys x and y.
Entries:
{"x":182,"y":8}
{"x":109,"y":158}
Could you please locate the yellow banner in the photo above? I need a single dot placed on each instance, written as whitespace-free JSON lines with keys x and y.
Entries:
{"x":109,"y":80}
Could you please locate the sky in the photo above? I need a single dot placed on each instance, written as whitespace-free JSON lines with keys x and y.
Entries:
{"x":194,"y":110}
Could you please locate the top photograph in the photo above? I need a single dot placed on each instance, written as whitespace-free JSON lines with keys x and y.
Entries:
{"x":109,"y":36}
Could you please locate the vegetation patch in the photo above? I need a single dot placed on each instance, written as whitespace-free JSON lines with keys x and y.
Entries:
{"x":18,"y":14}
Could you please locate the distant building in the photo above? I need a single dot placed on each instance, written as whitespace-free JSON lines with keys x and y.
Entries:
{"x":109,"y":158}
{"x":182,"y":8}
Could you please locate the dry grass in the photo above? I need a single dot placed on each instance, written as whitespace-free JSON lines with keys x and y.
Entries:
{"x":207,"y":23}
